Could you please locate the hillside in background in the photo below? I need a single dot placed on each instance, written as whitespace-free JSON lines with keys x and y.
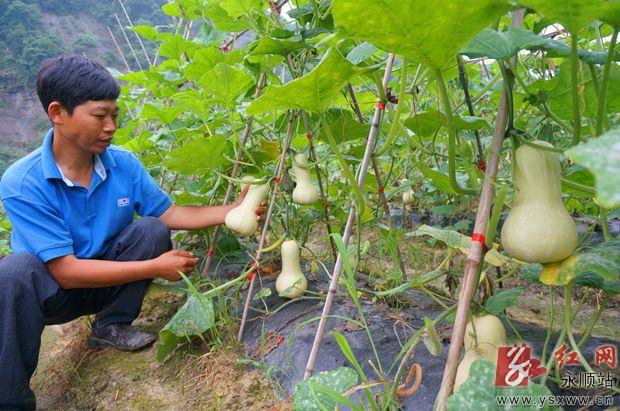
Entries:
{"x":31,"y":31}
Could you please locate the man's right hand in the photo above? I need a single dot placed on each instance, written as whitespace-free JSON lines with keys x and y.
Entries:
{"x":168,"y":265}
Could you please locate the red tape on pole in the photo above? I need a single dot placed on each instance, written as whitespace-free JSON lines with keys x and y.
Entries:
{"x":478,"y":237}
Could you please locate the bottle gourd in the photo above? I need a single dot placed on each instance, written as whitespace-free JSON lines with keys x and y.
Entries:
{"x":305,"y":193}
{"x":538,"y":228}
{"x":242,"y":219}
{"x":291,"y":282}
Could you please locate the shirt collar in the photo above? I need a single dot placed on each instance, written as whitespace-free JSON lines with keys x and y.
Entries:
{"x":51,"y":170}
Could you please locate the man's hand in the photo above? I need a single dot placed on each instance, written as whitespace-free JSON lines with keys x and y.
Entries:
{"x":168,"y":265}
{"x":259,"y":211}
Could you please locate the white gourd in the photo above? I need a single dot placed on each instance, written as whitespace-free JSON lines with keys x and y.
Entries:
{"x":462,"y":372}
{"x":305,"y":193}
{"x":408,"y":196}
{"x":291,"y":274}
{"x":538,"y":228}
{"x":489,"y":335}
{"x":242,"y":219}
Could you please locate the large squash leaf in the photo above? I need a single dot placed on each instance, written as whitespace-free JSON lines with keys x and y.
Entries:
{"x":498,"y":45}
{"x":199,"y":156}
{"x":308,"y":398}
{"x":312,"y":92}
{"x":602,"y":156}
{"x":461,"y":242}
{"x":226,"y":83}
{"x":344,"y":127}
{"x":194,"y":318}
{"x":427,"y":123}
{"x":270,"y":45}
{"x":573,"y":14}
{"x":427,"y":31}
{"x":602,"y":260}
{"x":480,"y":393}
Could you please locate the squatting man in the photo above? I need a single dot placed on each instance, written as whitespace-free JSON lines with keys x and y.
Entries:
{"x":77,"y":249}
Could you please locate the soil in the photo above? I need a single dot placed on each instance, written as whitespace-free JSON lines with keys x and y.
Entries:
{"x":71,"y":376}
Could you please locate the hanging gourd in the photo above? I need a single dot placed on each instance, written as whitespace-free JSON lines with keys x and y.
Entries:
{"x":242,"y":219}
{"x":462,"y":372}
{"x":291,"y":282}
{"x":305,"y":193}
{"x":408,"y":195}
{"x":538,"y":228}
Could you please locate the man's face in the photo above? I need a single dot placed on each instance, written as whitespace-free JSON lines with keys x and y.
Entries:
{"x":92,"y":125}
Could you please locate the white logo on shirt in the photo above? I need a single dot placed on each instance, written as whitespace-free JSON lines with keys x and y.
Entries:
{"x":123,"y":202}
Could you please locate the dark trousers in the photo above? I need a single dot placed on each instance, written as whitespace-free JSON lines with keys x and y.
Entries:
{"x":30,"y":299}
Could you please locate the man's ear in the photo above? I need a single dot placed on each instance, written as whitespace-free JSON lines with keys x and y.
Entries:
{"x":56,"y":112}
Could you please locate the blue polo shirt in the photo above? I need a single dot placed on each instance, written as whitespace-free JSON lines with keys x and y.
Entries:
{"x":52,"y":216}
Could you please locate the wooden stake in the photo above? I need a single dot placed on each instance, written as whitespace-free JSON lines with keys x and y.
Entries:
{"x":120,"y":25}
{"x":333,"y":285}
{"x":120,"y":51}
{"x":244,"y":139}
{"x":476,"y":254}
{"x":272,"y":202}
{"x":148,"y":60}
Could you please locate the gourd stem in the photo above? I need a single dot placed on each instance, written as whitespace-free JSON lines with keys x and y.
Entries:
{"x":575,"y":90}
{"x":551,"y":322}
{"x":483,"y":91}
{"x":603,"y":214}
{"x":510,"y":101}
{"x":519,"y":135}
{"x":602,"y":97}
{"x":233,"y":174}
{"x":595,"y":319}
{"x":447,"y":112}
{"x":513,"y":328}
{"x":470,"y":106}
{"x":576,"y":186}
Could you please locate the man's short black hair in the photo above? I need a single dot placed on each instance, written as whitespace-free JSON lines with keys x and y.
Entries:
{"x":73,"y":80}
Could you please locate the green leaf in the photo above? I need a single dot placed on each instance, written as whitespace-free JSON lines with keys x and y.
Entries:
{"x":497,"y":303}
{"x":531,"y":273}
{"x":572,"y":14}
{"x":164,"y":114}
{"x":208,"y":57}
{"x":239,"y":8}
{"x":193,"y":319}
{"x":312,"y":92}
{"x":267,"y":152}
{"x":460,"y":242}
{"x":601,"y":259}
{"x":427,"y":123}
{"x":147,"y":32}
{"x":226,"y":83}
{"x":360,"y":53}
{"x":339,"y":380}
{"x":500,"y":45}
{"x":344,"y":126}
{"x":431,"y":339}
{"x":175,"y":46}
{"x":430,"y":32}
{"x":344,"y":346}
{"x":480,"y":393}
{"x":198,"y":156}
{"x":263,"y":293}
{"x":441,"y":181}
{"x":172,"y":9}
{"x":270,"y":45}
{"x":602,"y":156}
{"x":222,"y":21}
{"x":192,"y":101}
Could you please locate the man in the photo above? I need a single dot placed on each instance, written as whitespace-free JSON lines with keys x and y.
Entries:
{"x":77,"y":250}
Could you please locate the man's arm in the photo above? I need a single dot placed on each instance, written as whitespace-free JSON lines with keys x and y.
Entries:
{"x":71,"y":272}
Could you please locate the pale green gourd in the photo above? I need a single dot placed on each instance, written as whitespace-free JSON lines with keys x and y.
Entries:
{"x":291,"y":282}
{"x":489,"y":336}
{"x":305,"y":193}
{"x":538,"y":228}
{"x":242,"y":219}
{"x":408,"y":197}
{"x":462,"y":372}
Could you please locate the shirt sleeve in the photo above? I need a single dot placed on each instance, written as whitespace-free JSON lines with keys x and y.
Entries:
{"x":37,"y":228}
{"x":150,"y":200}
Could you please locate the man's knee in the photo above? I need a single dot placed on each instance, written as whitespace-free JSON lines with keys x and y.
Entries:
{"x":20,"y":269}
{"x":154,"y":231}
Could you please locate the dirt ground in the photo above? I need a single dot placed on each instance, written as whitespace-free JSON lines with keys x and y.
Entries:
{"x":72,"y":377}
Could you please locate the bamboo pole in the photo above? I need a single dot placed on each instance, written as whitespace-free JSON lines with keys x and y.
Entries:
{"x":120,"y":51}
{"x":324,"y":196}
{"x":377,"y":171}
{"x":148,"y":60}
{"x":333,"y":285}
{"x":476,"y":251}
{"x":272,"y":201}
{"x":244,"y":139}
{"x":120,"y":25}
